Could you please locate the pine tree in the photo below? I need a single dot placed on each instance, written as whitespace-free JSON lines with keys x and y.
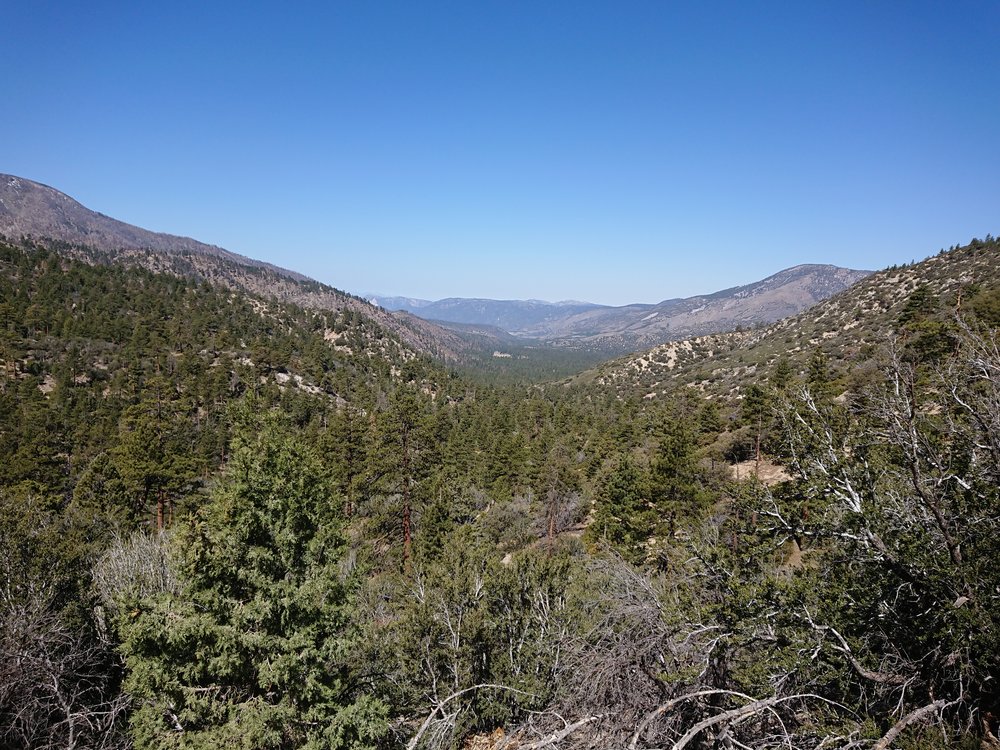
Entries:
{"x":153,"y":456}
{"x":252,"y":652}
{"x":623,"y":516}
{"x":401,"y":460}
{"x":678,"y":483}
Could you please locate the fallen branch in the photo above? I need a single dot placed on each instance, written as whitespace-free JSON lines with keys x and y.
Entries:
{"x":911,"y":718}
{"x":412,"y":744}
{"x":670,"y":704}
{"x":845,"y":649}
{"x":562,"y":733}
{"x":740,"y":713}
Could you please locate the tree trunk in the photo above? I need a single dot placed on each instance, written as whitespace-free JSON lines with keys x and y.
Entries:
{"x":407,"y":530}
{"x":159,"y":510}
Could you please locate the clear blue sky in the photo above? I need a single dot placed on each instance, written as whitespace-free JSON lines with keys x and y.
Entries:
{"x":613,"y":152}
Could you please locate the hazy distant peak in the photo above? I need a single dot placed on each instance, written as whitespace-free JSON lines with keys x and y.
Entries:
{"x":394,"y":302}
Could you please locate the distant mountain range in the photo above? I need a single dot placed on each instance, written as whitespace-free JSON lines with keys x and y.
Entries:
{"x":518,"y":317}
{"x":637,"y":326}
{"x":457,"y":329}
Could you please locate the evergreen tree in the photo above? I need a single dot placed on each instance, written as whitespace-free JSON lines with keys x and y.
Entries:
{"x":755,"y":409}
{"x":623,"y":516}
{"x":153,"y":455}
{"x":252,"y":653}
{"x":781,"y":374}
{"x":678,"y":485}
{"x":818,"y":374}
{"x":401,"y":459}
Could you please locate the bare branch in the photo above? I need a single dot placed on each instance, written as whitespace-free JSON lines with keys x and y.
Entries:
{"x":562,"y":733}
{"x":671,"y":704}
{"x":845,"y":649}
{"x":412,"y":744}
{"x":911,"y":718}
{"x":742,"y":712}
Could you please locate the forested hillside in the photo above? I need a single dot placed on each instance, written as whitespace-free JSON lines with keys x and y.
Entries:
{"x":912,"y":301}
{"x":227,"y":520}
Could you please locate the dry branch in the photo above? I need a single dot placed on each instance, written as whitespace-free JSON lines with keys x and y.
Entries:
{"x":911,"y":718}
{"x":412,"y":744}
{"x":669,"y":706}
{"x":735,"y":714}
{"x":562,"y":733}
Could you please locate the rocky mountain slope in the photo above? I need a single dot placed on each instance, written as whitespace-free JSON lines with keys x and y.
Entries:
{"x":778,"y":296}
{"x":31,"y":210}
{"x":843,"y":330}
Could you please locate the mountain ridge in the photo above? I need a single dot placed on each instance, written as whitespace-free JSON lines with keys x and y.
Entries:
{"x":35,"y":211}
{"x":40,"y":210}
{"x":839,"y":329}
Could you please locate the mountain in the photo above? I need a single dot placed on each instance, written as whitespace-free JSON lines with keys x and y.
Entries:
{"x":32,"y":209}
{"x":35,"y":211}
{"x":631,"y":327}
{"x":395,"y":304}
{"x":315,"y":474}
{"x":842,"y":330}
{"x":780,"y":295}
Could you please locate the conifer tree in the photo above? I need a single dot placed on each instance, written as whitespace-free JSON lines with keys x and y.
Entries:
{"x":252,"y":652}
{"x":153,"y":456}
{"x":678,"y":484}
{"x":401,"y":459}
{"x":622,"y":518}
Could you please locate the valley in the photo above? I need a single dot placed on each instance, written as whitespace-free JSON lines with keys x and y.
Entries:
{"x":499,"y":376}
